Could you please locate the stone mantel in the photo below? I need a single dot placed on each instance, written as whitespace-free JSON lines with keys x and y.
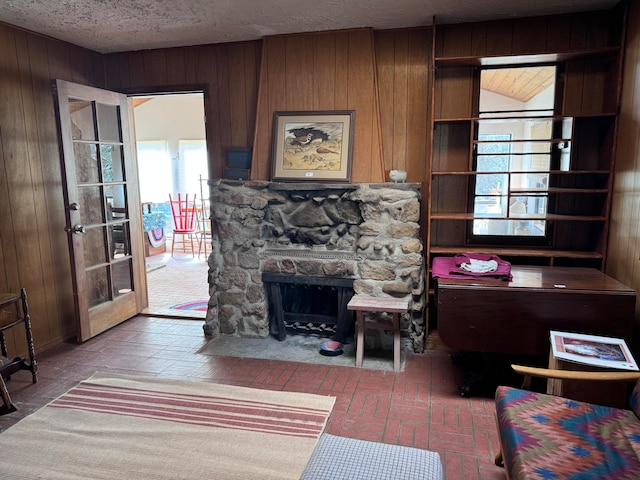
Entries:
{"x":312,"y":185}
{"x":368,"y":232}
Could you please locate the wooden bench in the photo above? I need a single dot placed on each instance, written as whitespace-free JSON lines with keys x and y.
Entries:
{"x":365,"y":304}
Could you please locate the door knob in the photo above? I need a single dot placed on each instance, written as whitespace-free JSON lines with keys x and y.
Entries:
{"x":76,"y":229}
{"x":74,"y":206}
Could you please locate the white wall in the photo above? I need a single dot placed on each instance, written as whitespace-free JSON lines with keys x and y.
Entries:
{"x":171,"y":118}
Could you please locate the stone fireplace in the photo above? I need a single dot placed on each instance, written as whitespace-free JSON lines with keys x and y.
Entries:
{"x":367,"y":233}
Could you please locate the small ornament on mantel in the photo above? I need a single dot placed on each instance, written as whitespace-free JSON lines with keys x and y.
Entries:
{"x":397,"y":176}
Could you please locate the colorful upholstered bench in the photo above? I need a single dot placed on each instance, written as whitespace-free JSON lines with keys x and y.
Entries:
{"x":548,"y":437}
{"x":352,"y":459}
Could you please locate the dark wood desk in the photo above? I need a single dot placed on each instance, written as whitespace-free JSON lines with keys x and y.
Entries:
{"x":515,"y":317}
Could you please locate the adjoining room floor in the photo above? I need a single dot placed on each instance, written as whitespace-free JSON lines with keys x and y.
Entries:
{"x":418,"y":407}
{"x":176,"y":280}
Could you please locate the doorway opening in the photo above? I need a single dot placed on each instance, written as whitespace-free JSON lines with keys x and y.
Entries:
{"x":172,"y":160}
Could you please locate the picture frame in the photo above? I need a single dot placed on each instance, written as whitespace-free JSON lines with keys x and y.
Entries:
{"x":312,"y":146}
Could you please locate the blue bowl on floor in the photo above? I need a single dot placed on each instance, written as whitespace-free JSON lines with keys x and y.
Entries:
{"x":331,"y":349}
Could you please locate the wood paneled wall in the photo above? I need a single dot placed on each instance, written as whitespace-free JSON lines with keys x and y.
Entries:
{"x":228,"y":74}
{"x":321,"y":71}
{"x":623,"y":258}
{"x":403,"y":60}
{"x":33,"y":244}
{"x":385,"y":76}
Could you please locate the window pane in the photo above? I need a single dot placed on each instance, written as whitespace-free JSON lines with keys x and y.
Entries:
{"x":530,"y":88}
{"x":512,"y":202}
{"x":94,"y":251}
{"x":527,"y":228}
{"x":86,"y":159}
{"x":492,"y":184}
{"x":154,"y":167}
{"x":82,"y":119}
{"x":490,"y":206}
{"x":108,"y":123}
{"x":112,"y":163}
{"x":192,"y":166}
{"x":122,"y":273}
{"x":98,"y":286}
{"x":91,"y":205}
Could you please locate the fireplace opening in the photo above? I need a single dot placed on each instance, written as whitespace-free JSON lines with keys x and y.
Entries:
{"x":300,"y":304}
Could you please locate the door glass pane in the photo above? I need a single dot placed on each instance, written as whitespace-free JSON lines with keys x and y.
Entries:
{"x":97,"y":286}
{"x":112,"y":163}
{"x":119,"y":243}
{"x":116,"y":199}
{"x":82,"y":124}
{"x":91,"y":206}
{"x":87,"y":169}
{"x":108,"y":123}
{"x":122,"y":274}
{"x":93,"y":246}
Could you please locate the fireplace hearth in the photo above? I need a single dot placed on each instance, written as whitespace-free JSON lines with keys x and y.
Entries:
{"x":312,"y":305}
{"x":364,"y":237}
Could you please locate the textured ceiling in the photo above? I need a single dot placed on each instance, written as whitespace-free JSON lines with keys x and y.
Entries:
{"x":124,"y":25}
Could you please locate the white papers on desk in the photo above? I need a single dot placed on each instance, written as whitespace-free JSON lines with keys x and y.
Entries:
{"x":592,"y":350}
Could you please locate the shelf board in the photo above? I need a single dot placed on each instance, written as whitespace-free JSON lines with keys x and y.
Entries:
{"x":558,"y":190}
{"x":556,"y":118}
{"x":547,"y":217}
{"x":520,"y":172}
{"x":517,"y":252}
{"x":606,"y":52}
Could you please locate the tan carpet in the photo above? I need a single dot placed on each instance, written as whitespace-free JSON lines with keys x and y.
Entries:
{"x":130,"y":427}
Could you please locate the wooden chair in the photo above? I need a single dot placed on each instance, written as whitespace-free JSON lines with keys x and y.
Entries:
{"x":204,"y":229}
{"x":547,"y":436}
{"x":185,"y":221}
{"x":9,"y":318}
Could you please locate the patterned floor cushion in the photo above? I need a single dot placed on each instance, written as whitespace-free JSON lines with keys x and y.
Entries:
{"x":350,"y":459}
{"x":548,"y":437}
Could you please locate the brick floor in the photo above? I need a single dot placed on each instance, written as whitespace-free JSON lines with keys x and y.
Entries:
{"x":418,"y":407}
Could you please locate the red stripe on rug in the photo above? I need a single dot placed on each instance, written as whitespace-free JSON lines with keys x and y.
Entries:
{"x":194,"y":401}
{"x":183,"y":397}
{"x":196,"y":410}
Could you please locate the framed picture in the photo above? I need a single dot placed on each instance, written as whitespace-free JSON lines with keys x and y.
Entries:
{"x":310,"y":146}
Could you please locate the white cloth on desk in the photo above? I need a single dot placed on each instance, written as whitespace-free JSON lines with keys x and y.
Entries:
{"x":479,"y":266}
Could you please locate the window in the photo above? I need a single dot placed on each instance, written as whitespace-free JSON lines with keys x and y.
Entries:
{"x":514,"y":146}
{"x":154,"y":170}
{"x":192,"y":166}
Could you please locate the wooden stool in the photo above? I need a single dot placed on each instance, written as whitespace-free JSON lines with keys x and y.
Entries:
{"x":395,"y":306}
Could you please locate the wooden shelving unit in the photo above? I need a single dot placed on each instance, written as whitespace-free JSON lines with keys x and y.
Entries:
{"x":587,"y":50}
{"x":585,"y":118}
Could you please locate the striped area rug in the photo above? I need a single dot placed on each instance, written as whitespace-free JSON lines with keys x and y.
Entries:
{"x":200,"y":306}
{"x":120,"y":426}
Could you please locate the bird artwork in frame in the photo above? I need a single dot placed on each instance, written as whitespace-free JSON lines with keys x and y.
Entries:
{"x":310,"y":146}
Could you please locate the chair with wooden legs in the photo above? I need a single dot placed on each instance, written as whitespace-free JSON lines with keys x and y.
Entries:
{"x":547,"y":436}
{"x":185,"y":222}
{"x":204,"y":229}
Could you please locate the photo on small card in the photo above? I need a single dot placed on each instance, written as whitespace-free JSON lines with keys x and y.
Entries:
{"x":592,"y":350}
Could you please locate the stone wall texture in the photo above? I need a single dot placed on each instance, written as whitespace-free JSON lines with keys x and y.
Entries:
{"x":367,"y":232}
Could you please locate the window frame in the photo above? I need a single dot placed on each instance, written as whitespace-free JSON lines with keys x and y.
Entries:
{"x":556,"y":126}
